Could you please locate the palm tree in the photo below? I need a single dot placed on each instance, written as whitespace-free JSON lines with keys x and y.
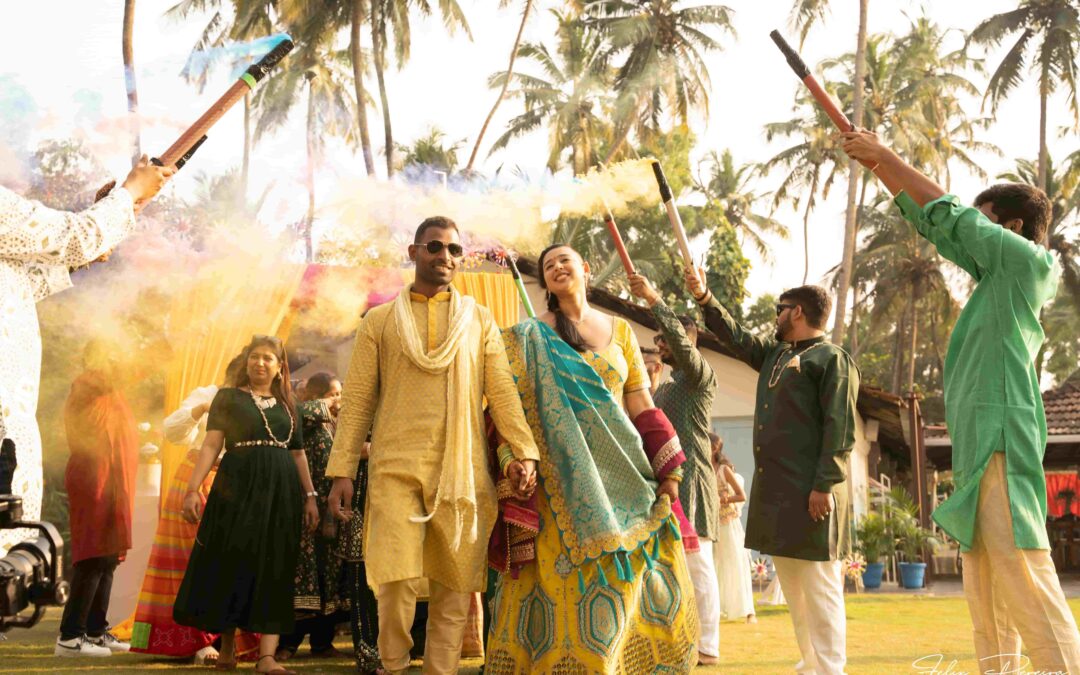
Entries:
{"x":431,"y":151}
{"x":320,"y":74}
{"x":912,"y":95}
{"x":357,"y":16}
{"x":246,"y":21}
{"x":664,"y":72}
{"x":506,"y":82}
{"x":906,"y":282}
{"x":129,"y":78}
{"x":1056,"y":24}
{"x":805,"y":14}
{"x":812,"y":164}
{"x":728,"y":187}
{"x":391,"y":17}
{"x":569,"y":98}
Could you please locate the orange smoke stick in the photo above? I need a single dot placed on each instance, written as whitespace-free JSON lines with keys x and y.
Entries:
{"x":816,"y":90}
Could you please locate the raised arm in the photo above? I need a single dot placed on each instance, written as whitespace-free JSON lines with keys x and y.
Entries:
{"x":33,"y":233}
{"x":961,"y":234}
{"x":687,"y":357}
{"x":749,"y":348}
{"x":182,"y":426}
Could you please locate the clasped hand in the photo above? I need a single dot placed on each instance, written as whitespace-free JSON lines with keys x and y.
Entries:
{"x":522,"y":476}
{"x":670,"y":488}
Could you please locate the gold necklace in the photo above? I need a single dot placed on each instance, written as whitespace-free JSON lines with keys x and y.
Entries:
{"x":774,"y":376}
{"x":266,"y":422}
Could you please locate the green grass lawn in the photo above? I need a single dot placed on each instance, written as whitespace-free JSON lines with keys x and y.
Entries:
{"x":886,"y":633}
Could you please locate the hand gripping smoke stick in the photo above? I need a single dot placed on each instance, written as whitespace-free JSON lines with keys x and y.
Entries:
{"x":820,"y":95}
{"x":181,"y":151}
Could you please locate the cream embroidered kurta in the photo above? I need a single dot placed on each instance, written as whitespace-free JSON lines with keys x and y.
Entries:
{"x":405,"y":410}
{"x":37,"y":246}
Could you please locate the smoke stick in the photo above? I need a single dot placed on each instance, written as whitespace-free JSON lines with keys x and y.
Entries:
{"x":673,"y":213}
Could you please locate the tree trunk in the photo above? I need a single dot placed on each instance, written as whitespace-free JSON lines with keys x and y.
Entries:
{"x":358,"y":82}
{"x":806,"y":237}
{"x":244,"y":166}
{"x":378,"y":40}
{"x":129,"y":79}
{"x":309,"y":218}
{"x":912,"y":352}
{"x":850,"y":222}
{"x":506,"y":84}
{"x":1044,"y":155}
{"x":853,"y":327}
{"x":898,"y":354}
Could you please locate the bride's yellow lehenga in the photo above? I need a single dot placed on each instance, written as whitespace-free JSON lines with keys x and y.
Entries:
{"x":626,"y":606}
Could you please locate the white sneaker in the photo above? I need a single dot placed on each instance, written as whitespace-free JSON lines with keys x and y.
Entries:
{"x":110,"y":642}
{"x":78,"y":647}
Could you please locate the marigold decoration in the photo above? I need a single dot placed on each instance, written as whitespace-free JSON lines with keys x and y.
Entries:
{"x":854,"y":566}
{"x":760,"y":569}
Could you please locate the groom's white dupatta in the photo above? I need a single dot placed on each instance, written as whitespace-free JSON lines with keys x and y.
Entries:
{"x":457,"y":484}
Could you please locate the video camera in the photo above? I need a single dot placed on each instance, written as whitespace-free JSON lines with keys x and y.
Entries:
{"x":32,"y":572}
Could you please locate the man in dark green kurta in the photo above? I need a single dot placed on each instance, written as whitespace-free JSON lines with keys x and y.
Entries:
{"x":993,"y":407}
{"x":804,"y":429}
{"x":687,"y":401}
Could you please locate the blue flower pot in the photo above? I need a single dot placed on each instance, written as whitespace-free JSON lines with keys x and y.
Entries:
{"x":871,"y":578}
{"x":912,"y":574}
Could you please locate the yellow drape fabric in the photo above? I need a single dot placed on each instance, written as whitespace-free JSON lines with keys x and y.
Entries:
{"x":493,"y":290}
{"x":211,"y":324}
{"x":218,"y":318}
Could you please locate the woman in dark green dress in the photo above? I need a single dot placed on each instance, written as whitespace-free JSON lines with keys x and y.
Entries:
{"x":321,"y":596}
{"x":329,"y":575}
{"x":240,"y":574}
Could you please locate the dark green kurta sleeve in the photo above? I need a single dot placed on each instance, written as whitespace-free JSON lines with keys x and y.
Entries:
{"x":688,"y":359}
{"x":839,"y":393}
{"x":749,"y":348}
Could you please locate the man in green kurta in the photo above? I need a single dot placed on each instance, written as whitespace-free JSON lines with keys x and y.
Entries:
{"x":993,"y":407}
{"x":687,"y":401}
{"x":804,"y":429}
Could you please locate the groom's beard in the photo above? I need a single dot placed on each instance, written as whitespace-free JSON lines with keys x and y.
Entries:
{"x":782,"y":329}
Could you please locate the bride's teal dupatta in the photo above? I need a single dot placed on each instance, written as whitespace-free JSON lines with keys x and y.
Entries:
{"x":593,"y":467}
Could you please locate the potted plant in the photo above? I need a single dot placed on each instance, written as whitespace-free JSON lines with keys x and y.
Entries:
{"x":875,"y":541}
{"x":911,"y":540}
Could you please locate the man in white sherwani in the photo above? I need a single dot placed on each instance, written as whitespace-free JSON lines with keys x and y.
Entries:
{"x":38,"y":247}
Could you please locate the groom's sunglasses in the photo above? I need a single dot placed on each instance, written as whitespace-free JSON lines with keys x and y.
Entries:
{"x":434,"y":247}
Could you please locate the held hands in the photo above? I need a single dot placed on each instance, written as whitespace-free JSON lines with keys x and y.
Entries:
{"x":821,"y":505}
{"x":670,"y":488}
{"x":522,"y":476}
{"x":864,"y":146}
{"x":146,"y":180}
{"x":641,"y":288}
{"x":340,"y":499}
{"x":193,"y":506}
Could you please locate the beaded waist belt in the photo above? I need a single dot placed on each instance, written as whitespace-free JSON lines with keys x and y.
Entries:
{"x":253,"y":444}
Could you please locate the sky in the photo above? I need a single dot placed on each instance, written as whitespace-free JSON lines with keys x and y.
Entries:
{"x":66,"y":54}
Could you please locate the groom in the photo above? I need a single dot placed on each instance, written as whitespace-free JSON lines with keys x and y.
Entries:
{"x":421,"y":367}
